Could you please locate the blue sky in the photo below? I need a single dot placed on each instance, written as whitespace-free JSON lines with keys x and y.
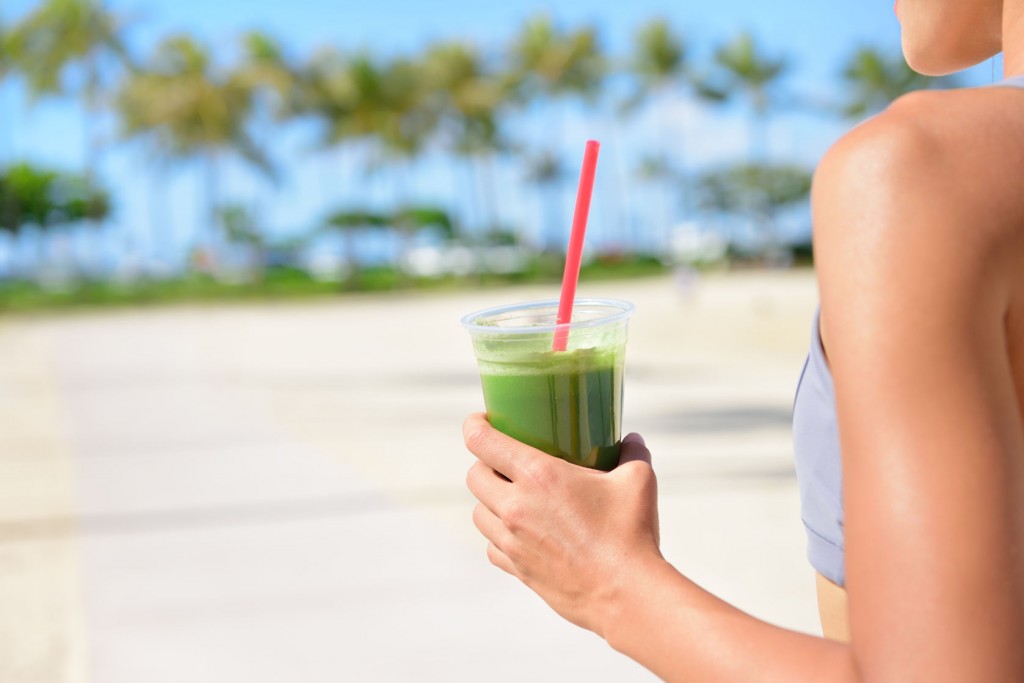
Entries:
{"x":816,"y":36}
{"x":806,"y":28}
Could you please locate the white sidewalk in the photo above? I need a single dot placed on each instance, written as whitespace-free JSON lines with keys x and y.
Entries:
{"x":275,"y":493}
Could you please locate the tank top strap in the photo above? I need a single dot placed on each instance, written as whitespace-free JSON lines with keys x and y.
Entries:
{"x":1011,"y":82}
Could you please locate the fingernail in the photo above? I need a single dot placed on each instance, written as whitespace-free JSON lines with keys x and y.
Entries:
{"x":633,"y":436}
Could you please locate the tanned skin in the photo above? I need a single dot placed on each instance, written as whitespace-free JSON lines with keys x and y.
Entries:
{"x":919,"y":243}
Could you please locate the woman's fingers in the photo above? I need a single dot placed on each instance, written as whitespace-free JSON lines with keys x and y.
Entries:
{"x":493,"y":529}
{"x":501,"y":561}
{"x":501,"y":452}
{"x":636,"y":473}
{"x":488,"y":486}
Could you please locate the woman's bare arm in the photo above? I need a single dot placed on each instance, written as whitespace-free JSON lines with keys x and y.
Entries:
{"x":917,"y":247}
{"x":914,"y":286}
{"x":586,"y":542}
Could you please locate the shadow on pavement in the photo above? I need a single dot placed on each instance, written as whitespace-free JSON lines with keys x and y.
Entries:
{"x":714,"y":420}
{"x":176,"y":519}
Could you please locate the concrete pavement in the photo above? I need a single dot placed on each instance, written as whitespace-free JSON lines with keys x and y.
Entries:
{"x":275,"y":492}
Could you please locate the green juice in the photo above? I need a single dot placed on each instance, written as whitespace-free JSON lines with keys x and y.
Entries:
{"x":567,"y":404}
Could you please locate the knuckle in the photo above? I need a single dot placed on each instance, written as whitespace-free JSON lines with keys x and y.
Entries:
{"x":640,"y":474}
{"x":477,"y":437}
{"x":649,"y":480}
{"x":495,"y":556}
{"x":478,"y":516}
{"x":472,"y":474}
{"x":538,"y":471}
{"x":504,"y":557}
{"x":513,"y":515}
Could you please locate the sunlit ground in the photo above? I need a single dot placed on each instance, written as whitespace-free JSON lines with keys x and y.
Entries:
{"x":251,"y":493}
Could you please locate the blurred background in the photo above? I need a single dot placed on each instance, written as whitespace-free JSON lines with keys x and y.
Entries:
{"x":235,"y":241}
{"x":177,"y":149}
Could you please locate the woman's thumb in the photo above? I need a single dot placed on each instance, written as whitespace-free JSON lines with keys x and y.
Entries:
{"x":634,"y":449}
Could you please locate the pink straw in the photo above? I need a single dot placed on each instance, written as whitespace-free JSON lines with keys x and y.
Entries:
{"x":575,"y":254}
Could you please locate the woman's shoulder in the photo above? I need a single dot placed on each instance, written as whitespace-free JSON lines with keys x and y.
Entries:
{"x":936,"y":167}
{"x":937,"y":135}
{"x":928,"y":190}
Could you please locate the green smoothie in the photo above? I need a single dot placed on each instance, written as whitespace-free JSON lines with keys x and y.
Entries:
{"x":568,"y":404}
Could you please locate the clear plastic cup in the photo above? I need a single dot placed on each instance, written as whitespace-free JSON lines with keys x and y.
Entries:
{"x":565,"y":403}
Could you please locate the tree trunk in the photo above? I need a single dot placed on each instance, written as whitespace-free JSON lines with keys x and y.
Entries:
{"x":686,"y":194}
{"x":490,"y":191}
{"x":759,"y":136}
{"x":554,"y":240}
{"x":560,"y":235}
{"x":5,"y":147}
{"x":156,"y":212}
{"x":42,"y":255}
{"x":90,"y":134}
{"x":351,"y":279}
{"x":462,"y":174}
{"x":479,"y":263}
{"x":210,"y":232}
{"x":401,"y":224}
{"x":620,"y":188}
{"x":89,"y":111}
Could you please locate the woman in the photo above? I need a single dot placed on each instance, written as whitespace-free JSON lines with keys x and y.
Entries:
{"x":919,"y":239}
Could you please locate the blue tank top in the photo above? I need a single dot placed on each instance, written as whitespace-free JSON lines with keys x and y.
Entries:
{"x":816,"y":450}
{"x":818,"y":467}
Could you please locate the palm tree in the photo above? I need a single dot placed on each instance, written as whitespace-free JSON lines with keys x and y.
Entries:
{"x":408,"y":124}
{"x":553,"y":63}
{"x":875,"y":79}
{"x":71,"y":47}
{"x":6,"y":70}
{"x":755,"y":190}
{"x":345,"y":93}
{"x":48,"y":200}
{"x":381,"y":106}
{"x":349,"y":96}
{"x":8,"y":205}
{"x":61,"y":37}
{"x":350,"y":222}
{"x":547,"y":171}
{"x":408,"y":119}
{"x":658,"y":63}
{"x":742,"y":70}
{"x":325,"y":91}
{"x":274,"y":80}
{"x":190,"y":109}
{"x":5,"y":55}
{"x":659,"y":69}
{"x":548,"y":65}
{"x":659,"y":171}
{"x":242,"y":227}
{"x":470,"y":98}
{"x":269,"y":73}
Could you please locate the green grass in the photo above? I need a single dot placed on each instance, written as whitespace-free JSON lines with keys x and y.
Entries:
{"x":287,"y":283}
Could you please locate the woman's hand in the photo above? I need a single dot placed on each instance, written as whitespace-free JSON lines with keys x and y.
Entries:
{"x":573,"y":535}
